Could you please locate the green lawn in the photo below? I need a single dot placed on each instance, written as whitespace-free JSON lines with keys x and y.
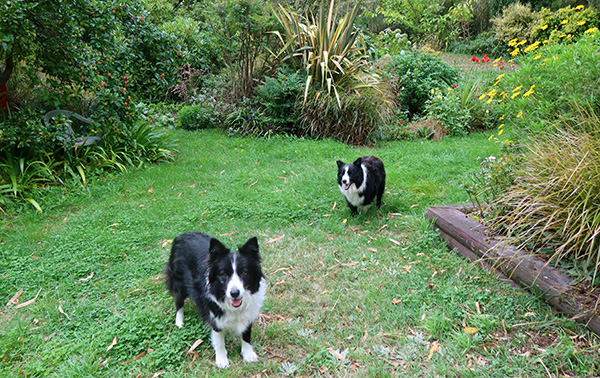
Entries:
{"x":374,"y":295}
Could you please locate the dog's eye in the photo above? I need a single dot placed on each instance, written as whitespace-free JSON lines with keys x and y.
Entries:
{"x":225,"y":275}
{"x":243,"y":274}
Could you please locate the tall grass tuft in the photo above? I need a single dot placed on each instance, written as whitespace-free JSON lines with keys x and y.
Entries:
{"x":554,"y":206}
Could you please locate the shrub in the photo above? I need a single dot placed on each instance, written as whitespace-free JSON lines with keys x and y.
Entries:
{"x":516,"y":22}
{"x":333,"y":57}
{"x":553,"y":207}
{"x":279,"y":96}
{"x":547,"y":82}
{"x":194,"y":117}
{"x":483,"y":43}
{"x":248,"y":119}
{"x":445,"y":107}
{"x":417,"y":75}
{"x":565,"y":25}
{"x":355,"y":121}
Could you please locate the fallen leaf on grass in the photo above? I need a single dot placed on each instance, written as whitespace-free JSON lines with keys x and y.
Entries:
{"x":194,"y":346}
{"x":395,"y":241}
{"x":63,"y":312}
{"x":396,"y":301}
{"x":470,"y":330}
{"x":435,"y":347}
{"x":273,"y":240}
{"x":29,"y":301}
{"x":114,"y":342}
{"x":15,"y":298}
{"x":87,"y":278}
{"x":336,"y":354}
{"x":228,"y":234}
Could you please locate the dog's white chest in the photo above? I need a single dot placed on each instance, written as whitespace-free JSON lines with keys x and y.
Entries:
{"x":354,"y":194}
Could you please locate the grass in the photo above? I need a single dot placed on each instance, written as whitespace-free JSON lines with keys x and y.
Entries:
{"x":374,"y":295}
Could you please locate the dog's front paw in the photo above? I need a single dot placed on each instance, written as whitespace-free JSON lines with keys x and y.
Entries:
{"x":248,"y":353}
{"x":222,"y":362}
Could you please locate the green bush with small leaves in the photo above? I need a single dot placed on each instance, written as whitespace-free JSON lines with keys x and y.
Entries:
{"x":417,"y":75}
{"x":195,"y":117}
{"x":516,"y":22}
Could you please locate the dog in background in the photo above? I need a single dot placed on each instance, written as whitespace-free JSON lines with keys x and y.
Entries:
{"x":361,"y":182}
{"x":228,"y":288}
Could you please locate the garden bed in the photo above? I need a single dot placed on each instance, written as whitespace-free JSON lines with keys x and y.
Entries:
{"x":473,"y":240}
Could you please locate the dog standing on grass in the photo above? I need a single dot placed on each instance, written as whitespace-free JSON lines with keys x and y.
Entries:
{"x":361,"y":182}
{"x":228,"y":288}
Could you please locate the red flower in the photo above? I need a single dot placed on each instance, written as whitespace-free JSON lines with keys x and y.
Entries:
{"x":473,"y":59}
{"x":83,"y":78}
{"x":485,"y":57}
{"x":454,"y":86}
{"x":377,"y":67}
{"x":102,"y":84}
{"x":400,"y":122}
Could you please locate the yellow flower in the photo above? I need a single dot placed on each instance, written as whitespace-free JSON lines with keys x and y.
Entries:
{"x":579,"y":7}
{"x":538,"y":56}
{"x":529,"y":92}
{"x":491,"y":136}
{"x":532,"y":47}
{"x":514,"y":52}
{"x":519,"y":114}
{"x":510,"y":60}
{"x":432,"y":91}
{"x":502,"y":116}
{"x":564,"y":22}
{"x":482,"y":96}
{"x":521,"y":43}
{"x":517,"y":88}
{"x":501,"y":126}
{"x":497,"y":60}
{"x":581,"y":23}
{"x":490,"y":100}
{"x":500,"y":76}
{"x":492,"y":93}
{"x":500,"y":132}
{"x":544,"y":27}
{"x":513,"y":42}
{"x":515,"y":95}
{"x":562,"y":35}
{"x":592,"y":30}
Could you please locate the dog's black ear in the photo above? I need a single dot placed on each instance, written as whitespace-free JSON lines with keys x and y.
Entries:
{"x":358,"y":162}
{"x":251,"y":247}
{"x":340,"y":163}
{"x":217,"y":248}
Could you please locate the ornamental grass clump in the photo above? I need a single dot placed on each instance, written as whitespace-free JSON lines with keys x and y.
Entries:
{"x":553,"y":208}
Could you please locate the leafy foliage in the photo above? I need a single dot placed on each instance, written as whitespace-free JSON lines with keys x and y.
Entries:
{"x":199,"y":116}
{"x":515,"y":22}
{"x":417,"y":75}
{"x":445,"y":107}
{"x":564,"y":25}
{"x":329,"y":49}
{"x":279,"y":96}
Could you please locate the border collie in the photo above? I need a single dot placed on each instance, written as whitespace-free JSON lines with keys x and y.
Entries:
{"x":228,"y":288}
{"x":361,"y":181}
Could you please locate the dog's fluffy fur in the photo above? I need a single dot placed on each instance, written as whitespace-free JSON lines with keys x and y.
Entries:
{"x":228,"y":288}
{"x":361,"y":182}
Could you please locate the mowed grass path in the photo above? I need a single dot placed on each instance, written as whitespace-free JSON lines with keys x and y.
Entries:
{"x":374,"y":295}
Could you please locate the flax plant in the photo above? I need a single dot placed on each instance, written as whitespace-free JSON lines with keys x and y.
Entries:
{"x":329,"y":48}
{"x":553,"y":208}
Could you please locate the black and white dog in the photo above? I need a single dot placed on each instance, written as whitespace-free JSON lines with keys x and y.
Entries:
{"x":228,"y":288}
{"x":361,"y":181}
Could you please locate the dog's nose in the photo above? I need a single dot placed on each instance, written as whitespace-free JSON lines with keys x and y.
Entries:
{"x":234,"y":293}
{"x":344,"y":181}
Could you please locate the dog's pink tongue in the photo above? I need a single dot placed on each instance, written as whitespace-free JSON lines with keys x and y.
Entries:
{"x":236,"y":302}
{"x":347,"y":186}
